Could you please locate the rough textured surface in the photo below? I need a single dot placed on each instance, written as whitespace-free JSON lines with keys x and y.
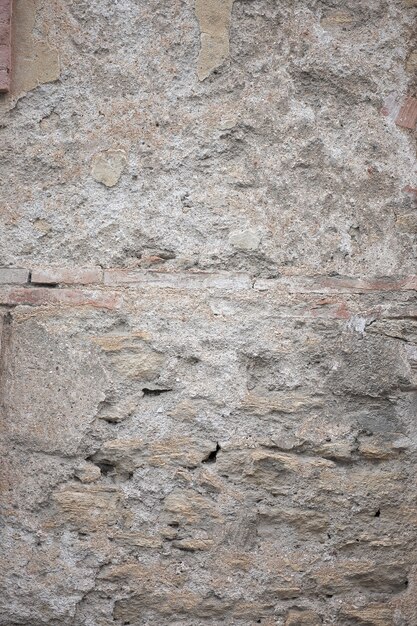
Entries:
{"x":208,"y":314}
{"x":5,"y":44}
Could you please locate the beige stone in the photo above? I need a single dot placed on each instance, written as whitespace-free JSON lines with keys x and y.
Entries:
{"x":184,"y":410}
{"x":411,"y":64}
{"x":277,"y":403}
{"x":245,"y":239}
{"x":88,"y":508}
{"x":125,"y":455}
{"x":302,"y":618}
{"x":214,"y":20}
{"x":107,"y":166}
{"x":87,"y":472}
{"x":372,"y":615}
{"x":34,"y":61}
{"x":340,"y":450}
{"x":191,"y":545}
{"x":132,"y":358}
{"x":338,"y":18}
{"x":189,"y":506}
{"x":344,"y":576}
{"x":303,"y":520}
{"x":137,"y":539}
{"x":184,"y":451}
{"x":407,"y":223}
{"x":377,"y":448}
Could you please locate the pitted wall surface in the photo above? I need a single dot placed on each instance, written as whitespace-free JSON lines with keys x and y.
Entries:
{"x":208,"y":335}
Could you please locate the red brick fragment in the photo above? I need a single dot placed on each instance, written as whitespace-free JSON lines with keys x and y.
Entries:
{"x":38,"y":296}
{"x":337,"y":284}
{"x":411,"y":192}
{"x":407,"y":116}
{"x":360,"y":285}
{"x":67,"y":276}
{"x":5,"y":44}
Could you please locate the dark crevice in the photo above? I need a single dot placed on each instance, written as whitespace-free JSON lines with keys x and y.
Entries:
{"x":212,"y":457}
{"x":154,"y":392}
{"x":378,"y":513}
{"x":105,"y":466}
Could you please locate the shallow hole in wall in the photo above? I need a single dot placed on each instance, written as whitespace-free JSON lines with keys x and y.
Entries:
{"x":212,"y":456}
{"x":105,"y":466}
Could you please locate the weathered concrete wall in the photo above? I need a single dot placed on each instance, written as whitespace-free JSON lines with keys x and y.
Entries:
{"x":208,"y":309}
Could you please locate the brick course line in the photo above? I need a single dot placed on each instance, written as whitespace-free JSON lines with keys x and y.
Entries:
{"x":177,"y":280}
{"x":137,"y":279}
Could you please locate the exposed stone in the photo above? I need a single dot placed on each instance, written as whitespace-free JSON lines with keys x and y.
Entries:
{"x":12,"y":276}
{"x":245,"y":239}
{"x":132,"y":357}
{"x":337,"y":19}
{"x":372,"y":615}
{"x":191,"y":545}
{"x":34,"y":60}
{"x":189,"y":506}
{"x":56,"y":419}
{"x":214,"y":20}
{"x":304,"y":521}
{"x":88,"y":508}
{"x":87,"y":472}
{"x":412,"y":61}
{"x":107,"y":166}
{"x":345,"y":575}
{"x":303,"y":618}
{"x":407,"y":223}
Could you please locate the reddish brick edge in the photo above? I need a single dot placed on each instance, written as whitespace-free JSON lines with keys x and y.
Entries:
{"x":44,"y":296}
{"x":407,"y":116}
{"x":5,"y":44}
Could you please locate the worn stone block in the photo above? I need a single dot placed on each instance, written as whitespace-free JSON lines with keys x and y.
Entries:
{"x":12,"y":276}
{"x":214,"y":20}
{"x":107,"y":166}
